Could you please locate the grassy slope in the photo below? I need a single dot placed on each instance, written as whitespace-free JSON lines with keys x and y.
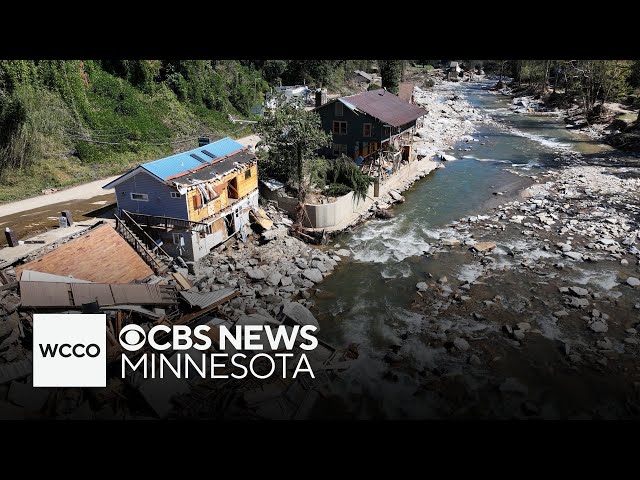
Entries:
{"x":114,"y":111}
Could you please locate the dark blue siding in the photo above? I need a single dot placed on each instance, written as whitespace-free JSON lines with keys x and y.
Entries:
{"x":355,"y":124}
{"x":159,"y":194}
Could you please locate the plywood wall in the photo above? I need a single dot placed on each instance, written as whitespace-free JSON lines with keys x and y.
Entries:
{"x":245,"y":186}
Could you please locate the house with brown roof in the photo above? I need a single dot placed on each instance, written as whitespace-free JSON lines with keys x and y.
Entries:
{"x":369,"y":122}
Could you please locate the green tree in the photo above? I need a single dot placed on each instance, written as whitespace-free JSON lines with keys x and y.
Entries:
{"x":390,"y":71}
{"x":292,"y":134}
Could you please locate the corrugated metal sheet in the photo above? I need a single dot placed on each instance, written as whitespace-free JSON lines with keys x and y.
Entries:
{"x":39,"y":294}
{"x":183,"y":162}
{"x":221,"y":147}
{"x":137,"y":294}
{"x":203,"y":300}
{"x":55,"y":295}
{"x":91,"y":292}
{"x":385,"y":106}
{"x":218,"y":169}
{"x":33,"y":276}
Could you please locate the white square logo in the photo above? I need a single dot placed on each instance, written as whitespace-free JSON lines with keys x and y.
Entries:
{"x":69,"y":350}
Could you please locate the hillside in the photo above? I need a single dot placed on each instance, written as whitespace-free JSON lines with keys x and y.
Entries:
{"x":67,"y":122}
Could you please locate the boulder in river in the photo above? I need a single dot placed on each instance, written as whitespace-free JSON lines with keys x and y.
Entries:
{"x":299,"y":314}
{"x":313,"y":274}
{"x":633,"y":281}
{"x":484,"y":246}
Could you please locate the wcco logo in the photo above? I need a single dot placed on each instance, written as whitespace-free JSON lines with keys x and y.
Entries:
{"x":69,"y":350}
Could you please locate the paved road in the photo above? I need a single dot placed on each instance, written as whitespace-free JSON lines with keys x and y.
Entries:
{"x":81,"y":192}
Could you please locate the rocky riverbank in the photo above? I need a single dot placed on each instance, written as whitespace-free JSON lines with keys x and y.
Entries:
{"x":270,"y":270}
{"x":542,"y":318}
{"x":611,"y":123}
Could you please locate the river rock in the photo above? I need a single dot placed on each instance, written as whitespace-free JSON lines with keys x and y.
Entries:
{"x":450,"y":242}
{"x":624,"y":262}
{"x":396,"y":196}
{"x":313,"y":274}
{"x":299,"y":314}
{"x":274,"y":278}
{"x":579,"y":291}
{"x":284,"y":281}
{"x":565,"y":247}
{"x":574,"y":256}
{"x":343,"y":252}
{"x":604,"y":344}
{"x":518,"y":334}
{"x":256,"y":273}
{"x":422,"y":286}
{"x":474,"y":360}
{"x":599,"y":327}
{"x":302,"y":263}
{"x":560,"y":313}
{"x":461,"y":344}
{"x":579,"y":302}
{"x":320,"y":265}
{"x":633,"y":281}
{"x":484,"y":246}
{"x":524,"y":326}
{"x":443,"y":279}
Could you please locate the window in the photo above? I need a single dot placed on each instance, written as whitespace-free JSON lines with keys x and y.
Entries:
{"x":339,"y":148}
{"x":339,"y":128}
{"x":140,"y":197}
{"x":247,"y":173}
{"x":175,"y":195}
{"x":366,"y":130}
{"x":339,"y":109}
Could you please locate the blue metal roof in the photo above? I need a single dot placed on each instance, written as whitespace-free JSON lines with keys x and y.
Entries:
{"x":183,"y":162}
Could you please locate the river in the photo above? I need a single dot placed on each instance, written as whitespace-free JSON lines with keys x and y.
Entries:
{"x":368,"y":299}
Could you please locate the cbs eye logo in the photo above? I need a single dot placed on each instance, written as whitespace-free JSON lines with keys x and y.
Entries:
{"x":132,"y":337}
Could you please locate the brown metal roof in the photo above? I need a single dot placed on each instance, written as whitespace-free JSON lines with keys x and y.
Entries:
{"x":385,"y":106}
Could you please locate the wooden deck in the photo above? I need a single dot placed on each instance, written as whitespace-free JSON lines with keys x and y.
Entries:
{"x":101,"y":255}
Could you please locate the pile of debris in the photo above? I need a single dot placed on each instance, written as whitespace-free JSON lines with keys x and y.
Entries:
{"x":265,"y":280}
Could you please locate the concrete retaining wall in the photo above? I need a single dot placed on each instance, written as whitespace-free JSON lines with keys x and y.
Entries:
{"x":328,"y":215}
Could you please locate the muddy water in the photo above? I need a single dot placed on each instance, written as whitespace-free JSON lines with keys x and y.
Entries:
{"x":32,"y":222}
{"x":367,"y":301}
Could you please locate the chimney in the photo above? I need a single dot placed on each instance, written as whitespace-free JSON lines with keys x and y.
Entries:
{"x":321,"y":97}
{"x":202,"y":141}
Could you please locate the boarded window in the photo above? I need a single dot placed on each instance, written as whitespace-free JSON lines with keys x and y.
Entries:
{"x":339,"y":109}
{"x":197,"y":201}
{"x":366,"y":130}
{"x":247,"y":173}
{"x":339,"y":128}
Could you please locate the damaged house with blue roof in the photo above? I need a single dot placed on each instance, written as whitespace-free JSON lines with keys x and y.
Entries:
{"x":186,"y":204}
